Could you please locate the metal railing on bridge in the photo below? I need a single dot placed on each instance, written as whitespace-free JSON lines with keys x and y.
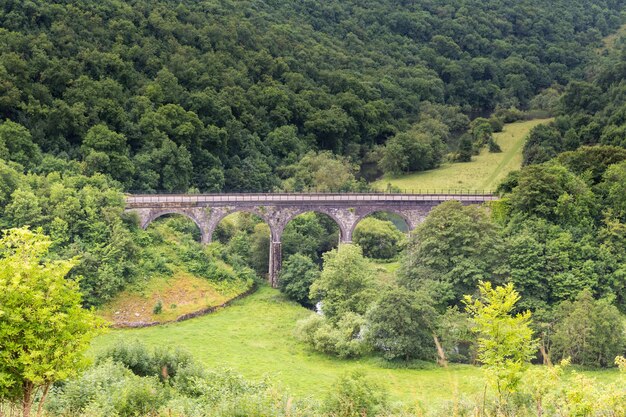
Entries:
{"x":395,"y":195}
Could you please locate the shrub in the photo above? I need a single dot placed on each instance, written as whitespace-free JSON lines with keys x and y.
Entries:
{"x":411,"y":151}
{"x":401,"y":325}
{"x":346,"y":283}
{"x":341,"y":338}
{"x":160,"y":362}
{"x":306,"y":328}
{"x":494,"y":147}
{"x":107,"y":389}
{"x":354,"y":395}
{"x":158,"y":307}
{"x":465,"y":149}
{"x":296,"y":277}
{"x":590,"y":332}
{"x":496,"y":124}
{"x":379,"y":239}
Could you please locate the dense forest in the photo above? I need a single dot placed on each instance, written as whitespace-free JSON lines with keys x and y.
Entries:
{"x":208,"y":95}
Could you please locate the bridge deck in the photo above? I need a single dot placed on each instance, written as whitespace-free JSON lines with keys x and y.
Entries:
{"x":201,"y":199}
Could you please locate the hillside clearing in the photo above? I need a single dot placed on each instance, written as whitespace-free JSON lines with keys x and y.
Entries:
{"x":179,"y":294}
{"x":254,"y":336}
{"x":484,"y":172}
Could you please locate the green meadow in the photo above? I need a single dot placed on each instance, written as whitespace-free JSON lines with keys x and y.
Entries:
{"x":484,"y":172}
{"x":254,"y":336}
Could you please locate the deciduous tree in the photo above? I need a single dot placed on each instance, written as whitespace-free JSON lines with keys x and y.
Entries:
{"x":44,"y":330}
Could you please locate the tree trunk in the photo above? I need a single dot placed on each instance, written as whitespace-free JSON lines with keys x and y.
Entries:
{"x":544,"y":354}
{"x":27,"y":400}
{"x":440,"y":352}
{"x":43,"y":399}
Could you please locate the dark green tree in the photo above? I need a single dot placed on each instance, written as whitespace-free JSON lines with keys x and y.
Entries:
{"x":401,"y":325}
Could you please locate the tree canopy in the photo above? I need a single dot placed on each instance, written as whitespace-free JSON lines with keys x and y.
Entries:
{"x":221,"y":95}
{"x":44,"y":331}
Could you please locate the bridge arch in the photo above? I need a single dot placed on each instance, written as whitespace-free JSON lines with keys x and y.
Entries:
{"x":190,"y":214}
{"x":409,"y":222}
{"x":220,"y":214}
{"x":337,"y":216}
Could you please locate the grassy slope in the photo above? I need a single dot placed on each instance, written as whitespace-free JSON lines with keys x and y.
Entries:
{"x":484,"y":172}
{"x":609,"y":41}
{"x":180,"y":292}
{"x":255,"y":337}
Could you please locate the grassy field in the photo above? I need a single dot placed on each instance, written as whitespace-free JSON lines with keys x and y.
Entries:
{"x":484,"y":172}
{"x":254,"y":336}
{"x":182,"y":293}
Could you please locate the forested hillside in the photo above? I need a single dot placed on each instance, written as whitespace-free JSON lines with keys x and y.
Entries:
{"x":224,"y":95}
{"x":592,"y":112}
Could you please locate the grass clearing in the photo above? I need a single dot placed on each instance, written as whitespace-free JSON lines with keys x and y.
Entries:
{"x":484,"y":172}
{"x":182,"y":293}
{"x":254,"y":336}
{"x":385,"y":271}
{"x":608,"y":42}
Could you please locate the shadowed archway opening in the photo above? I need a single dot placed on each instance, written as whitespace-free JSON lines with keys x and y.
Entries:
{"x":174,"y":227}
{"x":246,"y":239}
{"x":310,"y":234}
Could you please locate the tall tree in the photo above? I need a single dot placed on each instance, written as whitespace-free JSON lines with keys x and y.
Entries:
{"x":346,"y":283}
{"x":505,"y":340}
{"x":44,"y":331}
{"x":451,"y":251}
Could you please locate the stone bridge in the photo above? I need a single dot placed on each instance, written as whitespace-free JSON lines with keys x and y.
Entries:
{"x":278,"y":209}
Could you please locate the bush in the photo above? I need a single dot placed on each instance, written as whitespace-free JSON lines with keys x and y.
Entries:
{"x":355,"y":396}
{"x":509,"y":115}
{"x":411,"y":151}
{"x":496,"y":124}
{"x":296,"y":277}
{"x":107,"y":389}
{"x":379,"y":239}
{"x":306,"y":328}
{"x":161,"y":362}
{"x":346,"y":284}
{"x":342,"y":339}
{"x":590,"y":332}
{"x":465,"y":149}
{"x":494,"y":147}
{"x":401,"y":325}
{"x":158,"y":307}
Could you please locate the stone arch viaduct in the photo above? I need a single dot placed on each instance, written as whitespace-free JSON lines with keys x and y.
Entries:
{"x":278,"y":209}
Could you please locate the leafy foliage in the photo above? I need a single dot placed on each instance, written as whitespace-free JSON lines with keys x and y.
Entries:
{"x":505,"y":342}
{"x":44,"y":331}
{"x":296,"y":277}
{"x":224,"y":95}
{"x":451,"y":251}
{"x":346,"y":283}
{"x":379,"y":239}
{"x":589,"y":332}
{"x":354,"y":396}
{"x":400,"y":325}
